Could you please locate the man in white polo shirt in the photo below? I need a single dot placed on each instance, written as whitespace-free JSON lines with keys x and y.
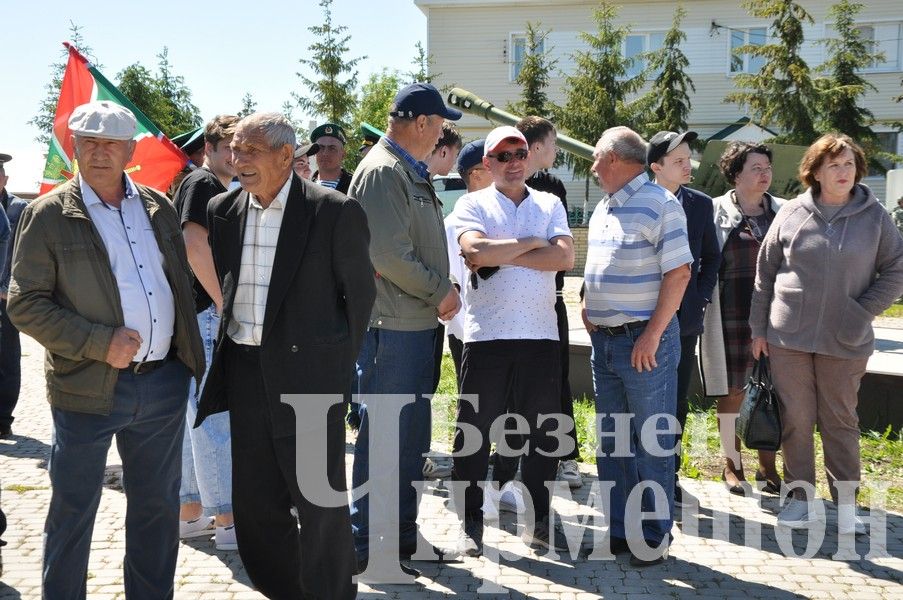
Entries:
{"x":514,"y":239}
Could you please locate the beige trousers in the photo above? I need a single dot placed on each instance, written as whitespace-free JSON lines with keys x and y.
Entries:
{"x":816,"y":389}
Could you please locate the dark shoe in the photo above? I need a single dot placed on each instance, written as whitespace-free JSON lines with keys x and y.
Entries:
{"x":636,"y":561}
{"x":440,"y":555}
{"x":737,"y":489}
{"x":544,"y":536}
{"x":616,"y":545}
{"x":770,"y":487}
{"x":470,"y":540}
{"x":6,"y":431}
{"x":405,"y":568}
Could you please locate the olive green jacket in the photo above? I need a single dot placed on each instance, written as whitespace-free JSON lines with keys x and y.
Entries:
{"x":64,"y":295}
{"x":407,"y":240}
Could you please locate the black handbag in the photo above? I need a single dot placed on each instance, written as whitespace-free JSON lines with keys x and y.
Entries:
{"x":759,"y":419}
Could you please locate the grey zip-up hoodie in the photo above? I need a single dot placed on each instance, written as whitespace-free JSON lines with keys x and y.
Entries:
{"x":820,"y":282}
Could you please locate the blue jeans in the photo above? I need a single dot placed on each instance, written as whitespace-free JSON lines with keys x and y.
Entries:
{"x":207,"y":450}
{"x":619,"y":389}
{"x":147,"y":418}
{"x":394,"y":362}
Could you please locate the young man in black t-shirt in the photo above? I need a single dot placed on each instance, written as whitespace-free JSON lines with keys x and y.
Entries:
{"x":206,"y":491}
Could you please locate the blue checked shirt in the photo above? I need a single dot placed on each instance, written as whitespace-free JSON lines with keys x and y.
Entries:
{"x":417,"y":165}
{"x":635,"y":236}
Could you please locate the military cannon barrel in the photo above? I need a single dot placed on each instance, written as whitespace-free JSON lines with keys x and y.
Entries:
{"x":473,"y":104}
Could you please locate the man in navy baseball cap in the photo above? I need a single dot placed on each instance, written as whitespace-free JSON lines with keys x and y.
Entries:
{"x":421,"y":99}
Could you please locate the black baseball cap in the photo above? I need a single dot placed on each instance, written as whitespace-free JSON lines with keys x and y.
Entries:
{"x":664,"y":142}
{"x":421,"y":99}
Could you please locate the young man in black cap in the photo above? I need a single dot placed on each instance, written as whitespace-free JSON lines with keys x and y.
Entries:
{"x":668,"y":156}
{"x":331,"y":139}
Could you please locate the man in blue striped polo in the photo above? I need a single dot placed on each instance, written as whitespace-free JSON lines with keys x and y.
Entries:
{"x":637,"y":268}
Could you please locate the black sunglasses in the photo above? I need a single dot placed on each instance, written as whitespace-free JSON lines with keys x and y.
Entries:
{"x":507,"y":155}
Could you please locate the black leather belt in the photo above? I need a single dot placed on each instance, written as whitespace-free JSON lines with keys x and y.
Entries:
{"x":623,"y":329}
{"x":142,"y":367}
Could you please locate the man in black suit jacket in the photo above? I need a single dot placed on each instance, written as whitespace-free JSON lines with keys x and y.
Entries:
{"x":292,"y":260}
{"x":668,"y":157}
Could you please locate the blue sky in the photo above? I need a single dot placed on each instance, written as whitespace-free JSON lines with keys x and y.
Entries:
{"x":222,"y":49}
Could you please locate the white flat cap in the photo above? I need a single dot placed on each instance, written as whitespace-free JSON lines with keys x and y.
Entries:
{"x":103,"y":119}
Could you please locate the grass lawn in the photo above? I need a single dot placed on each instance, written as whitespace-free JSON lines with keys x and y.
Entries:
{"x":895,"y":311}
{"x":882,"y":453}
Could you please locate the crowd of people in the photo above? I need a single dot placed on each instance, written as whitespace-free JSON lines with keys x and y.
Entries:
{"x":221,"y":336}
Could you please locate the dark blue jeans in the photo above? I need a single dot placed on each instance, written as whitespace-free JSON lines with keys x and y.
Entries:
{"x":147,"y":419}
{"x":394,"y":362}
{"x":10,"y":366}
{"x":621,"y":389}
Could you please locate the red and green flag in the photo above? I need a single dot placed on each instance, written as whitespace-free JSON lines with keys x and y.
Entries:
{"x":156,"y":160}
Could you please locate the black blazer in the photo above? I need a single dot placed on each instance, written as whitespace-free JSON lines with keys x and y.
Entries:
{"x":706,"y":259}
{"x":320,"y":296}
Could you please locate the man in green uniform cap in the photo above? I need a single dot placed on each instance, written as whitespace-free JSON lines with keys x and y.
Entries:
{"x":331,"y":139}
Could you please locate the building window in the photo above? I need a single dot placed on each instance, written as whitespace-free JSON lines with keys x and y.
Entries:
{"x":744,"y":62}
{"x":519,"y":51}
{"x":887,"y":142}
{"x":636,"y":45}
{"x":887,"y":39}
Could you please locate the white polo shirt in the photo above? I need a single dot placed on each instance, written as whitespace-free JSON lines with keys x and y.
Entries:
{"x":516,"y":302}
{"x":144,"y":293}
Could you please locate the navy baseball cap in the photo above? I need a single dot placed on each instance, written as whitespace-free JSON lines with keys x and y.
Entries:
{"x":470,"y":156}
{"x":421,"y":99}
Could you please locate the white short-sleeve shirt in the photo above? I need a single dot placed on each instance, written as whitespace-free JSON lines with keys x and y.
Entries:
{"x":516,"y":302}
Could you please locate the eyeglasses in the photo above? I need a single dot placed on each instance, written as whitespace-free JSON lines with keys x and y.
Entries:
{"x":507,"y":155}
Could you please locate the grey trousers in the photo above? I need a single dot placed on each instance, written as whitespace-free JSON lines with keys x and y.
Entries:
{"x":817,"y":389}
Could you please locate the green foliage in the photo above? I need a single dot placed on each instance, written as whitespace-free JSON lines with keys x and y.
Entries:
{"x":598,"y":92}
{"x":534,"y":76}
{"x":671,"y":85}
{"x":843,"y":86}
{"x":782,"y":93}
{"x":423,"y":63}
{"x":376,"y":99}
{"x":43,"y":120}
{"x":163,"y":97}
{"x":332,"y":88}
{"x":248,"y":105}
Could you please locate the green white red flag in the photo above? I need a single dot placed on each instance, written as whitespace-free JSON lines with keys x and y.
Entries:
{"x":156,"y":160}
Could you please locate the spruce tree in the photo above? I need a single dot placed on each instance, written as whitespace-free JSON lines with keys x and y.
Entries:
{"x":248,"y":105}
{"x":671,"y":85}
{"x":534,"y":75}
{"x":782,"y":93}
{"x":331,"y":90}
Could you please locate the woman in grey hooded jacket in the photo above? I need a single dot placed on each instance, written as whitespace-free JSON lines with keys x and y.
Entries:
{"x":831,"y":261}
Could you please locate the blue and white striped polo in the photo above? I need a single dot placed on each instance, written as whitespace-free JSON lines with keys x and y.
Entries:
{"x":635,"y":236}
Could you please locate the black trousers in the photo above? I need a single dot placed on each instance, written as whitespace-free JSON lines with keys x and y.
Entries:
{"x":504,"y":468}
{"x":456,"y":347}
{"x":684,"y":373}
{"x":10,"y":366}
{"x":316,"y":561}
{"x":520,"y":376}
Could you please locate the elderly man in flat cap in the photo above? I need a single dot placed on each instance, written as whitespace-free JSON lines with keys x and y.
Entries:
{"x":100,"y":278}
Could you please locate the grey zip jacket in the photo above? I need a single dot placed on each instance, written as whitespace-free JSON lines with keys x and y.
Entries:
{"x":820,"y":282}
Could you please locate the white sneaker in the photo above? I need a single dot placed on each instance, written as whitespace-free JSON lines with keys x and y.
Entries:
{"x":433,"y":470}
{"x":849,"y":522}
{"x":796,"y":514}
{"x":512,"y":499}
{"x":568,"y":471}
{"x":196,"y":527}
{"x":225,"y":538}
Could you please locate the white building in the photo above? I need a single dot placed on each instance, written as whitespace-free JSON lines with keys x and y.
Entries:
{"x":479,"y":45}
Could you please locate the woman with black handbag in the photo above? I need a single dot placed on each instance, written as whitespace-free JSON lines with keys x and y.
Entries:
{"x":831,"y":261}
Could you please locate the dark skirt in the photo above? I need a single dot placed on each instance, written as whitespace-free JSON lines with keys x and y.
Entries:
{"x":737,"y":278}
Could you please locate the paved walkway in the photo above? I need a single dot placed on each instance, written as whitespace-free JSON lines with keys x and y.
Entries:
{"x":728,"y":548}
